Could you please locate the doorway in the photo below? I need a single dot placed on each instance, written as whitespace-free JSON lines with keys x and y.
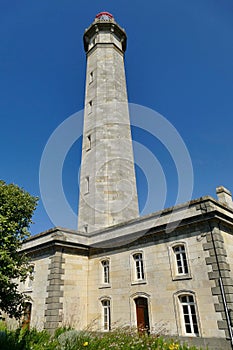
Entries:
{"x":27,"y":315}
{"x":142,"y":313}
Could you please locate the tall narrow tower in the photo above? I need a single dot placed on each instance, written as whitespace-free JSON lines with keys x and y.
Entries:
{"x":108,"y":194}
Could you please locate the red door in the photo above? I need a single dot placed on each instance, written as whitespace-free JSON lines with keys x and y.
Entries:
{"x":142,"y":315}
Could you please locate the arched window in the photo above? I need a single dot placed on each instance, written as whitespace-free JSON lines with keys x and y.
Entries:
{"x":106,"y":314}
{"x":180,"y":267}
{"x":105,"y":271}
{"x":138,"y":267}
{"x":188,"y":311}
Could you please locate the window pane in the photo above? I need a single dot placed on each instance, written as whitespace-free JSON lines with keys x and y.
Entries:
{"x":190,"y":299}
{"x":183,"y":299}
{"x":192,"y":307}
{"x":196,"y":329}
{"x":194,"y":319}
{"x":185,"y":309}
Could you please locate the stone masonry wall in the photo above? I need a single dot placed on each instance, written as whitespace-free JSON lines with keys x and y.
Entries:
{"x":75,"y":291}
{"x":54,"y":302}
{"x":159,"y":286}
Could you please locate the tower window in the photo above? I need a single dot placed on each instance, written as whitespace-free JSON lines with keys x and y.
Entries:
{"x":88,"y":143}
{"x":106,"y":315}
{"x":87,"y":184}
{"x":138,"y":265}
{"x":189,"y":315}
{"x":91,"y":77}
{"x":89,"y":107}
{"x":85,"y":228}
{"x":105,"y":271}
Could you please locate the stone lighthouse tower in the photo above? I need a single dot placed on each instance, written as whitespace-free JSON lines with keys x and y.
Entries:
{"x":108,"y":194}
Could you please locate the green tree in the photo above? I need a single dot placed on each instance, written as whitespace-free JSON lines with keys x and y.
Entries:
{"x":16,"y":210}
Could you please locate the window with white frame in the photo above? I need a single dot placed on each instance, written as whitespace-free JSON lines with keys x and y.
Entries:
{"x":180,"y":259}
{"x":189,"y":315}
{"x":138,"y":267}
{"x":106,"y":315}
{"x":105,"y":271}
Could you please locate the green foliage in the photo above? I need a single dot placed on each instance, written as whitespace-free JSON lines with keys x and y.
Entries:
{"x":84,"y":340}
{"x":23,"y":339}
{"x":120,"y":339}
{"x":16,"y":210}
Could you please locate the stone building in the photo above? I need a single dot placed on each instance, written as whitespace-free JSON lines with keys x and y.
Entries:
{"x":120,"y":269}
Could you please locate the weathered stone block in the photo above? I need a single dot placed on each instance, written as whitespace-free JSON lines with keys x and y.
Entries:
{"x":54,"y":319}
{"x":222,"y":265}
{"x":56,"y":281}
{"x":54,"y":306}
{"x":219,"y":251}
{"x":54,"y":287}
{"x":216,"y":236}
{"x":222,"y":325}
{"x":219,"y":307}
{"x":55,"y":265}
{"x":51,"y":300}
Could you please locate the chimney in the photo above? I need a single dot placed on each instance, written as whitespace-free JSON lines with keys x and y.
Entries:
{"x":224,"y":196}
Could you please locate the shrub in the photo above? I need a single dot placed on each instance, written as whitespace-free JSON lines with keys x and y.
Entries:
{"x":68,"y":339}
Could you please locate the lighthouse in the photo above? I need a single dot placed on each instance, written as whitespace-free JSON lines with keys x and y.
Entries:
{"x":108,"y":194}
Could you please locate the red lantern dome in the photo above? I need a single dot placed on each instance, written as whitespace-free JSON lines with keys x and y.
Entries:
{"x":104,"y":15}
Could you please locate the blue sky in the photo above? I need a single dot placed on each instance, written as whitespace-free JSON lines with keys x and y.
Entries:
{"x":179,"y":62}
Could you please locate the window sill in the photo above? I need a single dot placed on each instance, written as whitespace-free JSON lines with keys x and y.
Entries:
{"x":139,"y":282}
{"x":193,"y":335}
{"x":182,"y":277}
{"x":107,"y":285}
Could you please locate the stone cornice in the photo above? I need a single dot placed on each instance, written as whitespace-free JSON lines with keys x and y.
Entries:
{"x":104,"y":26}
{"x":105,"y":45}
{"x":188,"y":214}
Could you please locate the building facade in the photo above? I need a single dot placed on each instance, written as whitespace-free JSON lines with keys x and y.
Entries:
{"x":120,"y":269}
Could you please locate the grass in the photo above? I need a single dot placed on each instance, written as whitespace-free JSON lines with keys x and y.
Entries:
{"x":68,"y":339}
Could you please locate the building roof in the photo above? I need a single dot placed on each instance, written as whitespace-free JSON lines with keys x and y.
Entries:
{"x":165,"y":222}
